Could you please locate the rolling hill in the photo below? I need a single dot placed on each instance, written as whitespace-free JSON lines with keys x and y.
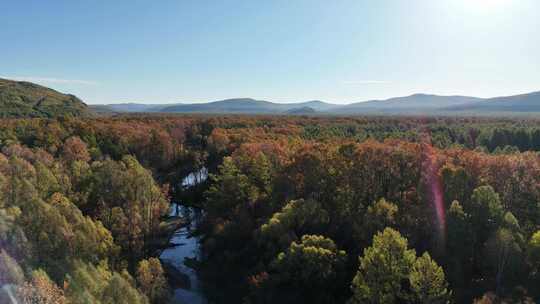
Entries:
{"x":517,"y":103}
{"x":235,"y":105}
{"x":26,"y":99}
{"x":302,"y":111}
{"x":417,"y":103}
{"x":136,"y":107}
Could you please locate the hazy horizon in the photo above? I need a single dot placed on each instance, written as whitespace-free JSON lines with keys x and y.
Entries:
{"x":351,"y":51}
{"x":297,"y":101}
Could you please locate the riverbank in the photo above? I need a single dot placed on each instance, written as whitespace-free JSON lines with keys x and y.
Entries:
{"x":168,"y":228}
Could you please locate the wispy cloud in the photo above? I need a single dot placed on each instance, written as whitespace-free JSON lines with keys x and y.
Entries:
{"x":51,"y":80}
{"x":366,"y":82}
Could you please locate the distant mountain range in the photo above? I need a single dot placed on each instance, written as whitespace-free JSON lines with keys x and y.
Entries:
{"x":236,"y":105}
{"x":26,"y":99}
{"x":246,"y":105}
{"x":408,"y":105}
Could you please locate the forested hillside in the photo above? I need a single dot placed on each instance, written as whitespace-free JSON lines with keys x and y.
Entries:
{"x":26,"y":99}
{"x":296,"y":209}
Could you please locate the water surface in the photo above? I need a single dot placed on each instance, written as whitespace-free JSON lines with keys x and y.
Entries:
{"x":186,"y":246}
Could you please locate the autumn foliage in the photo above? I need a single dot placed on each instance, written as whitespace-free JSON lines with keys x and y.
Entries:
{"x":329,"y":209}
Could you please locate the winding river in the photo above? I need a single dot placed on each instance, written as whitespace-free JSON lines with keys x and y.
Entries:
{"x":184,"y":247}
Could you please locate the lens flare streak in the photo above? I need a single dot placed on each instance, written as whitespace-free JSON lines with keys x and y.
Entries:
{"x":434,"y":193}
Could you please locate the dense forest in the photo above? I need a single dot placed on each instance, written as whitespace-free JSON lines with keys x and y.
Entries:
{"x":295,"y":209}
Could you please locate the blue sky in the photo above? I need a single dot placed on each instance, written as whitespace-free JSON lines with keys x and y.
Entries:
{"x":279,"y":50}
